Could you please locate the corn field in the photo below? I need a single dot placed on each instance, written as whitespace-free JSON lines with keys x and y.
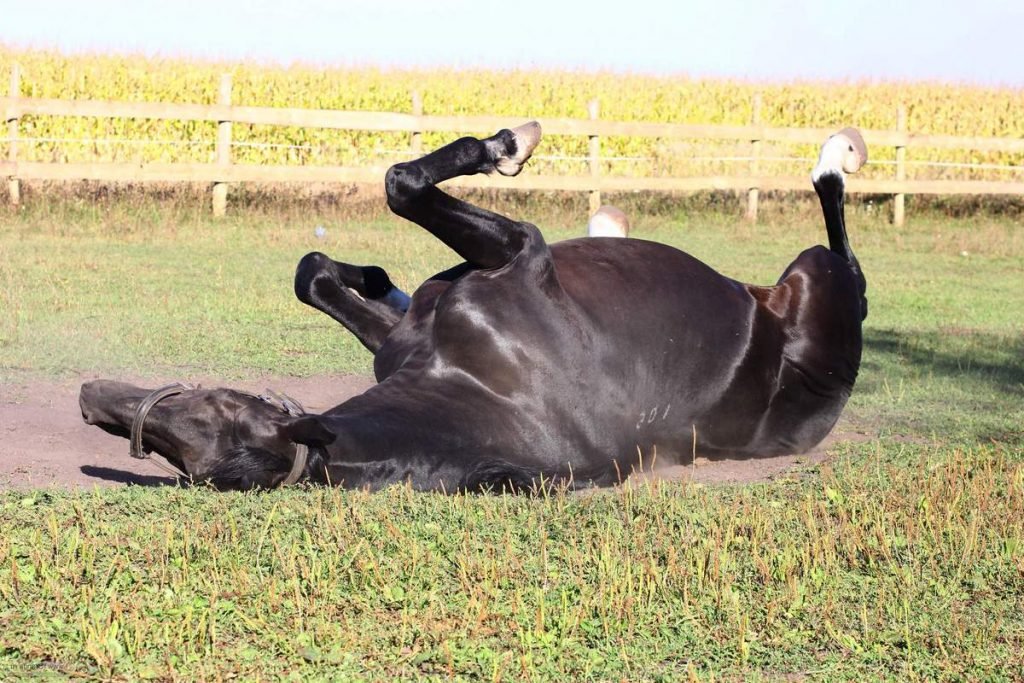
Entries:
{"x":932,"y":108}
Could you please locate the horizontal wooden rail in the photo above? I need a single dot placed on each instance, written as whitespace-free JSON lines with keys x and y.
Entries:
{"x":15,"y":108}
{"x":246,"y":173}
{"x":224,"y":171}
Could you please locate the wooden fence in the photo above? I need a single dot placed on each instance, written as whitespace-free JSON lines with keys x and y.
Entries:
{"x":223,"y":171}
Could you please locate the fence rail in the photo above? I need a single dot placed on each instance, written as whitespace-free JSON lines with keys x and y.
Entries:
{"x":224,"y":171}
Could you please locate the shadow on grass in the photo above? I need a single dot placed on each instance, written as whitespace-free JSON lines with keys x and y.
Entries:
{"x":958,"y":384}
{"x":994,"y":359}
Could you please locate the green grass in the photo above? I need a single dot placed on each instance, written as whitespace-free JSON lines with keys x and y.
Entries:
{"x":901,"y":559}
{"x":903,"y":568}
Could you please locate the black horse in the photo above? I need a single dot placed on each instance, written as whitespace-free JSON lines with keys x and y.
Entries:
{"x":529,"y":361}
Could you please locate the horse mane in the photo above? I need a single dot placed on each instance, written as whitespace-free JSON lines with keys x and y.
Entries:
{"x":242,"y":468}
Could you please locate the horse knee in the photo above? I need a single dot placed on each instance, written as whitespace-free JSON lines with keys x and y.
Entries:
{"x":306,"y":272}
{"x":403,"y":183}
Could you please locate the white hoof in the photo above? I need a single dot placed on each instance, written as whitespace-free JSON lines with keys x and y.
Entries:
{"x":857,"y":151}
{"x":527,"y":137}
{"x":844,"y":152}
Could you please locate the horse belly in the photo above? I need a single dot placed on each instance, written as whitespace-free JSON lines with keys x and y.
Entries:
{"x":664,"y":374}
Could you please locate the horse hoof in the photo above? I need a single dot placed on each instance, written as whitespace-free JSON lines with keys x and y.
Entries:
{"x":527,"y":136}
{"x":857,"y":154}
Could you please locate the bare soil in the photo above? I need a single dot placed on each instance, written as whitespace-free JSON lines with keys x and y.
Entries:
{"x":44,"y":442}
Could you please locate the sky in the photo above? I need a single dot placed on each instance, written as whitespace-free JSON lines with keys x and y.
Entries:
{"x":969,"y":41}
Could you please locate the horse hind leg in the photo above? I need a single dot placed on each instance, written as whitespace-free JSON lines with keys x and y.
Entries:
{"x":483,"y":238}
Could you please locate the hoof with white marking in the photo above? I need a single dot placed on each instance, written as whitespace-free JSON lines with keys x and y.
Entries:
{"x":526,"y":137}
{"x":844,"y":152}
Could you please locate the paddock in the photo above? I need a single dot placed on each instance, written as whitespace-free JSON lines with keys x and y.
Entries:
{"x":898,"y":552}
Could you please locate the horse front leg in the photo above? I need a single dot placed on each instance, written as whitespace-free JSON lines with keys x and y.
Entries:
{"x":484,"y":239}
{"x":361,"y":298}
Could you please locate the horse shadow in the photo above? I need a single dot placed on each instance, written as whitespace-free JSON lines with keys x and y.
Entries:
{"x":995,"y":360}
{"x":953,"y":378}
{"x":125,"y":477}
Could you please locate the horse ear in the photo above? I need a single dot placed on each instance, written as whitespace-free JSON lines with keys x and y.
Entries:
{"x":310,"y":430}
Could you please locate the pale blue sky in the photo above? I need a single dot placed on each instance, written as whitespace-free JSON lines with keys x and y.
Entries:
{"x":980,"y":41}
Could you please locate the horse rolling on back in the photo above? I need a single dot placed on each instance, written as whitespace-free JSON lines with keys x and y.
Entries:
{"x":527,"y":361}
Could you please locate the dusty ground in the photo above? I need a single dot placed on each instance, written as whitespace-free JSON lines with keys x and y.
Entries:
{"x":44,"y":442}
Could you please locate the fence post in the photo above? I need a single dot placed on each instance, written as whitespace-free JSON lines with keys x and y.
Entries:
{"x":593,"y":110}
{"x":416,"y":140}
{"x":755,"y":165}
{"x":899,"y":215}
{"x":13,"y":188}
{"x":220,"y":188}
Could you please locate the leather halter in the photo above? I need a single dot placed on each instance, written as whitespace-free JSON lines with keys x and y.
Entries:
{"x":282,"y":402}
{"x":294,"y":409}
{"x":135,"y":441}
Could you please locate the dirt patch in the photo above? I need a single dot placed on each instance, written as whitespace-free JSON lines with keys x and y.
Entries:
{"x":44,"y":442}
